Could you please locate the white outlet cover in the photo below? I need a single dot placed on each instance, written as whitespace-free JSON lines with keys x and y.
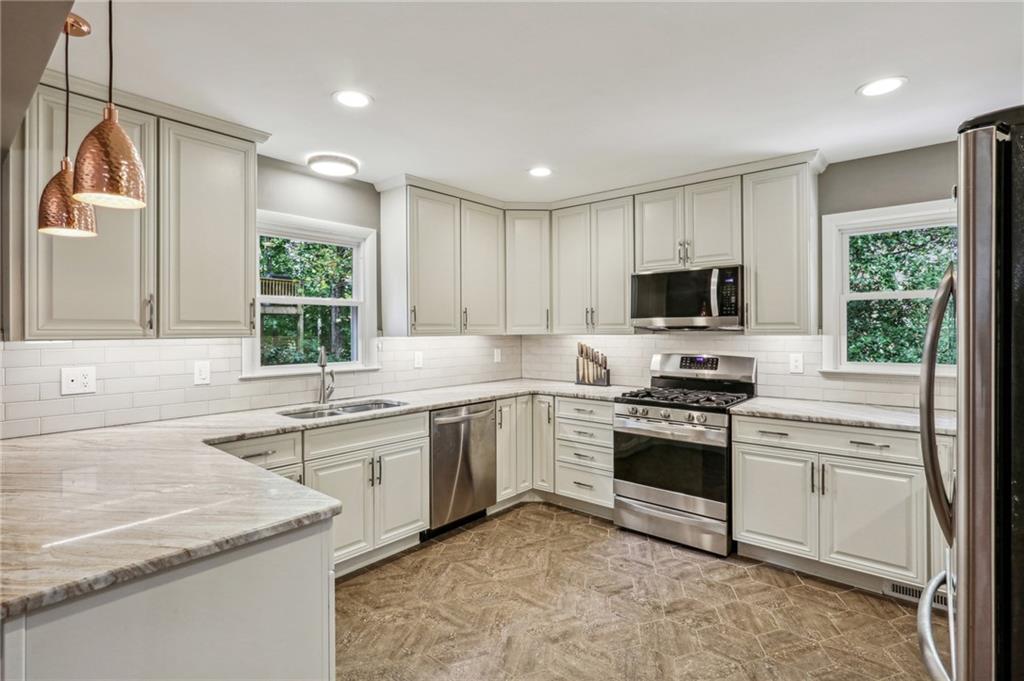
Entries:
{"x":201,"y":373}
{"x":417,"y":360}
{"x":77,"y":380}
{"x":497,"y":354}
{"x":796,"y":362}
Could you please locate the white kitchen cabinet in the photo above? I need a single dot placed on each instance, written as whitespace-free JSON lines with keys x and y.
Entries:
{"x":483,"y":269}
{"x":780,"y":238}
{"x":528,"y":271}
{"x":659,"y":231}
{"x":207,"y":233}
{"x":402,"y":491}
{"x":506,"y":448}
{"x":570,"y":270}
{"x":611,"y":264}
{"x":874,"y":518}
{"x":524,"y":443}
{"x":713,"y":222}
{"x":349,"y":479}
{"x":97,"y":287}
{"x":434,"y":263}
{"x":544,"y":443}
{"x":775,"y":499}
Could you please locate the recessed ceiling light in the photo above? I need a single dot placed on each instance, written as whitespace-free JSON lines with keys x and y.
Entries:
{"x":333,"y":165}
{"x":353,"y":98}
{"x":540,"y":171}
{"x":882,"y":86}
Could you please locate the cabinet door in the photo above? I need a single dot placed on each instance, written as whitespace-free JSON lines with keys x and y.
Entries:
{"x":528,"y":271}
{"x":348,"y":479}
{"x":775,"y":499}
{"x":570,"y":269}
{"x":544,"y":442}
{"x":483,"y":269}
{"x":659,"y":230}
{"x":714,"y":223}
{"x":780,"y":247}
{"x":207,"y":233}
{"x":874,"y":518}
{"x":524,"y":443}
{"x":96,"y":287}
{"x":402,"y":493}
{"x":506,"y":449}
{"x":434,"y":263}
{"x":611,"y":264}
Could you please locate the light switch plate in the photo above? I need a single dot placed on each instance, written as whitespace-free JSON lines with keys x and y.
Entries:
{"x":77,"y":380}
{"x":796,"y":362}
{"x":497,"y":355}
{"x":201,"y":374}
{"x":417,"y":360}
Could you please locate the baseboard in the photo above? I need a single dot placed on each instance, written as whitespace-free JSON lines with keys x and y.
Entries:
{"x":575,"y":505}
{"x":521,"y":498}
{"x":370,"y":557}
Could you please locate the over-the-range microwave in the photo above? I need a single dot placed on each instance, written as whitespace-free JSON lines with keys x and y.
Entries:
{"x":691,"y":299}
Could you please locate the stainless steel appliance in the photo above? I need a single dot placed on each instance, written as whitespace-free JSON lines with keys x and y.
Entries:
{"x":982,"y":514}
{"x":463,"y":462}
{"x":691,"y":299}
{"x":672,"y":456}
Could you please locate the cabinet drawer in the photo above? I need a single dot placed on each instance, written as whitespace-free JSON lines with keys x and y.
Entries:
{"x":865,"y":443}
{"x":586,"y":484}
{"x":270,"y":452}
{"x":321,"y":442}
{"x":586,"y":410}
{"x":582,"y":455}
{"x":581,"y":431}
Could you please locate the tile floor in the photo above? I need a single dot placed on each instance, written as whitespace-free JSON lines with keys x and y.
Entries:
{"x":543,"y":593}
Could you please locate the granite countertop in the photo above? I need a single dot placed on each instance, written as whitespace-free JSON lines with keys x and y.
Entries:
{"x":84,"y":510}
{"x":843,"y":414}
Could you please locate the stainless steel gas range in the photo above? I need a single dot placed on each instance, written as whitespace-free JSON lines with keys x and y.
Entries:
{"x":672,"y":455}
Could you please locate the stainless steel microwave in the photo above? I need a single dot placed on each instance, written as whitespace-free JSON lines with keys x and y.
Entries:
{"x":692,"y":299}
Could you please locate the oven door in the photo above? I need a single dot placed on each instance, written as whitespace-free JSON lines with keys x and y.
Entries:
{"x":685,"y":467}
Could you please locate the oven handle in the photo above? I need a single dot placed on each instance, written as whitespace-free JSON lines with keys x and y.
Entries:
{"x":669,"y":514}
{"x":716,"y":437}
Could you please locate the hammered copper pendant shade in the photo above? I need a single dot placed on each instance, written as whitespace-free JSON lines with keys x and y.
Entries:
{"x":108,"y":169}
{"x":59,"y":213}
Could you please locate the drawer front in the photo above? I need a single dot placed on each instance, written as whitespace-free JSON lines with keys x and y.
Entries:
{"x":293,"y":472}
{"x":585,"y":410}
{"x":351,"y":437}
{"x":585,"y":484}
{"x":865,"y":443}
{"x":585,"y":432}
{"x":270,"y":452}
{"x":583,"y":455}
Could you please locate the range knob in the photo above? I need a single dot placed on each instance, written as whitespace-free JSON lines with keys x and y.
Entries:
{"x":632,"y":410}
{"x":665,"y":413}
{"x":689,"y":416}
{"x":701,"y":418}
{"x":643,"y":412}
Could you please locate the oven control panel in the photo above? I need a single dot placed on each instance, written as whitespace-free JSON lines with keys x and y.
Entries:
{"x":698,"y":363}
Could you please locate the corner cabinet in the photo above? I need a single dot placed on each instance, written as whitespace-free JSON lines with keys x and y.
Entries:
{"x":207,"y":233}
{"x":528,"y":271}
{"x":544,"y":442}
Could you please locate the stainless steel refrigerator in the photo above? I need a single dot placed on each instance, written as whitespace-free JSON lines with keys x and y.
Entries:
{"x":982,"y":513}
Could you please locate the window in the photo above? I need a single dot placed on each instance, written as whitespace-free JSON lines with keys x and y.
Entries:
{"x":317,"y":288}
{"x":881,"y":271}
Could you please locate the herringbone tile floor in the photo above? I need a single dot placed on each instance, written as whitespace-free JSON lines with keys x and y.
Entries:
{"x":544,"y":594}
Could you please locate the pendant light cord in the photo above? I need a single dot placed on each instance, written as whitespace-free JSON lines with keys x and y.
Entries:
{"x":110,"y":51}
{"x":67,"y":90}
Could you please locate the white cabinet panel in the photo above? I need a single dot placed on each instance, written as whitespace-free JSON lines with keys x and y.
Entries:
{"x":714,"y":223}
{"x":775,"y":501}
{"x":528,"y":271}
{"x":659,"y":230}
{"x":207,"y":233}
{"x":544,"y":443}
{"x":570,"y":273}
{"x":97,"y":287}
{"x":873,"y":518}
{"x":434,"y":263}
{"x":584,"y":483}
{"x":611,"y":264}
{"x":348,"y":479}
{"x":524,"y":443}
{"x":402,"y":491}
{"x":506,"y":448}
{"x":483,"y":269}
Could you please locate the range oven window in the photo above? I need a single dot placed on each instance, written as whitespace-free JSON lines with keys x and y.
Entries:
{"x":688,"y":468}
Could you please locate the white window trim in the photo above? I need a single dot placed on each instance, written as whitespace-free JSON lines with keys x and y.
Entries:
{"x":363,"y":242}
{"x":836,"y":230}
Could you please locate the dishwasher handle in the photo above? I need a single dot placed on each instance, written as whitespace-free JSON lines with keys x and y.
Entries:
{"x":462,"y":418}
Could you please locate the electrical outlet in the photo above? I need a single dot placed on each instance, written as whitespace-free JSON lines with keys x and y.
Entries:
{"x":77,"y":380}
{"x":796,"y":362}
{"x":201,"y":374}
{"x":497,"y":355}
{"x":417,"y":360}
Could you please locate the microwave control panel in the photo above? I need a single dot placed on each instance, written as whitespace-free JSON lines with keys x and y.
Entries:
{"x":728,"y":296}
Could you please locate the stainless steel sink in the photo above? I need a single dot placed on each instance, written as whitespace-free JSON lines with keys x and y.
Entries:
{"x":341,"y":409}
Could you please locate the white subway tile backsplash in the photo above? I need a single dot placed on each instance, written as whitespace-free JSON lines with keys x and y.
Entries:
{"x":57,"y":424}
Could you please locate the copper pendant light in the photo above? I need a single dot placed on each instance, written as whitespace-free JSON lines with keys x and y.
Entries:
{"x":59,"y":213}
{"x":108,"y":169}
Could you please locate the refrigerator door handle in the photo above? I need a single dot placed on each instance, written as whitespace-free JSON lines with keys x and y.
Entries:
{"x":925,"y":636}
{"x":941,"y":504}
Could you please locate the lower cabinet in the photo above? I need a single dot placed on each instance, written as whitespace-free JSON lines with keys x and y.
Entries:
{"x":544,"y":443}
{"x":506,"y":449}
{"x":584,"y":450}
{"x":524,"y":443}
{"x":347,"y":478}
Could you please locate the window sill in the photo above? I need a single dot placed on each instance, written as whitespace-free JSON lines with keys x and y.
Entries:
{"x":292,"y":372}
{"x":890,"y":372}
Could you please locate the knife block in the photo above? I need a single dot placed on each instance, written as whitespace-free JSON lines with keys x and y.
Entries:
{"x":591,"y":367}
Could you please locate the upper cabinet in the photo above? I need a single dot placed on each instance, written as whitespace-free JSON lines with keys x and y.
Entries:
{"x":528,"y":271}
{"x":570,"y":269}
{"x":207,"y":233}
{"x":434,"y":264}
{"x":483,"y":269}
{"x":659,"y":231}
{"x":780,"y":254}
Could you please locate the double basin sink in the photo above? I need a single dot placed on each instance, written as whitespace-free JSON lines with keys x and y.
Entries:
{"x":324,"y":411}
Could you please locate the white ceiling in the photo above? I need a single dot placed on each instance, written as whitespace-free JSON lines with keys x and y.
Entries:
{"x":607,"y":94}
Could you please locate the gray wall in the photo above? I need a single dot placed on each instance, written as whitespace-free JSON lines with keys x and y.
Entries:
{"x":911,"y":176}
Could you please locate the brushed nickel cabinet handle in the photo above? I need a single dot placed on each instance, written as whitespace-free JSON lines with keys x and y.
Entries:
{"x":822,"y":479}
{"x":465,"y":318}
{"x":149,"y":311}
{"x":380,"y":471}
{"x":412,"y":317}
{"x":682,"y":252}
{"x":266,"y":452}
{"x":549,"y":412}
{"x":582,"y":410}
{"x":879,"y":445}
{"x":547,"y":319}
{"x":371,"y":472}
{"x":812,"y":477}
{"x":252,"y":315}
{"x":773,"y":432}
{"x":582,"y":484}
{"x":583,"y":456}
{"x":583,"y":433}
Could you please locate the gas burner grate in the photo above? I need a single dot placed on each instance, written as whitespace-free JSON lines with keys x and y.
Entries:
{"x":684,"y":397}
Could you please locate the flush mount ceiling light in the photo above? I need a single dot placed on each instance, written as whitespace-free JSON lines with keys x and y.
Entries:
{"x":354,"y":99}
{"x":333,"y":165}
{"x":882,"y":86}
{"x":540,"y":171}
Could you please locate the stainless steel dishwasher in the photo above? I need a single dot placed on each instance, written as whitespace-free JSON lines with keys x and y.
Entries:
{"x":463,"y":462}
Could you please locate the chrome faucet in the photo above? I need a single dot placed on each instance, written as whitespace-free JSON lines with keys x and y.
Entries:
{"x":325,"y":390}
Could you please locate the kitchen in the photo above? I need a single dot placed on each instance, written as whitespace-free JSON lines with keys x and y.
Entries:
{"x":430,"y":381}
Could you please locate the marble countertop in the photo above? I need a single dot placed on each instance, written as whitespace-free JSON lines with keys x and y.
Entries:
{"x":84,"y":510}
{"x":843,"y":414}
